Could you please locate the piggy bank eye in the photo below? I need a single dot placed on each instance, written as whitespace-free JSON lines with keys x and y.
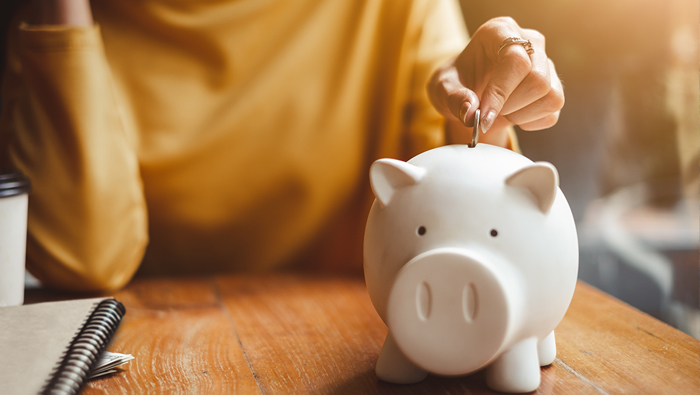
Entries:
{"x":494,"y":233}
{"x":421,"y":230}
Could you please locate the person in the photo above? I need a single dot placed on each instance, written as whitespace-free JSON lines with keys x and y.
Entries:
{"x":183,"y":137}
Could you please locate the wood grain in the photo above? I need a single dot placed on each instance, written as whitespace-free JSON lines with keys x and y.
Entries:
{"x":182,"y":339}
{"x":321,"y":335}
{"x":305,"y":334}
{"x":624,"y":351}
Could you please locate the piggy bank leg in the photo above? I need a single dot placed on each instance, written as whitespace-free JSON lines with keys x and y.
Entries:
{"x":516,"y":370}
{"x":393,"y":366}
{"x":547,"y":350}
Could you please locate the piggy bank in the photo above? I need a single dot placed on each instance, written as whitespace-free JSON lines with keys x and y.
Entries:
{"x":471,"y":260}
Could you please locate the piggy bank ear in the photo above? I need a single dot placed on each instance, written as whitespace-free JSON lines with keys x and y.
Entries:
{"x":389,"y":175}
{"x":541,"y":180}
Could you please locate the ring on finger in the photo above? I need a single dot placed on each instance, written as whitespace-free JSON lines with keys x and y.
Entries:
{"x":517,"y":40}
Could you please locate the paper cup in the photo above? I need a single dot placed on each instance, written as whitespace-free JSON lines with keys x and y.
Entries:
{"x":14,"y":187}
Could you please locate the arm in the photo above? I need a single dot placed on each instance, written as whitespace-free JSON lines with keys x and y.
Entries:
{"x":87,"y":217}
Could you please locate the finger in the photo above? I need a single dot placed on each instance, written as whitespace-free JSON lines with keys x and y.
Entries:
{"x":538,"y":81}
{"x":513,"y":66}
{"x":552,"y":102}
{"x":451,"y":98}
{"x":542,"y":123}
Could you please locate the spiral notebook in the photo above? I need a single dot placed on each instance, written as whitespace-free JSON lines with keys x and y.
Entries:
{"x":50,"y":348}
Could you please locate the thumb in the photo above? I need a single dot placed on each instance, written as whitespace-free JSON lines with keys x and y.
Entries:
{"x":451,"y":98}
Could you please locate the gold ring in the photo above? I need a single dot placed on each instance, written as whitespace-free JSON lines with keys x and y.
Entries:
{"x":517,"y":40}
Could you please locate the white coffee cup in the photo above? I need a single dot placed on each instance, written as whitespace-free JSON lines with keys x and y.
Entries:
{"x":14,"y":189}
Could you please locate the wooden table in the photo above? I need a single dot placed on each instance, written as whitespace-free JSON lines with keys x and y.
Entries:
{"x":296,"y":334}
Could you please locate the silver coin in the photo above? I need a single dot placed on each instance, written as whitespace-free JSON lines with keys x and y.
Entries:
{"x":475,"y":130}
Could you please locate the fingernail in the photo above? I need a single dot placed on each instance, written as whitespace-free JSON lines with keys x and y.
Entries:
{"x":463,"y":112}
{"x":487,"y":122}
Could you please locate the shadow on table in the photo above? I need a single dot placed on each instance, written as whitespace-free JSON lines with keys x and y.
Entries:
{"x":368,"y":383}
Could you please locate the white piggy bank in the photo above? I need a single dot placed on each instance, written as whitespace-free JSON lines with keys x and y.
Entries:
{"x":471,"y":259}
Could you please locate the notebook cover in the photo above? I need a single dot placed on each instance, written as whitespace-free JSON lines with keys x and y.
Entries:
{"x":34,"y":340}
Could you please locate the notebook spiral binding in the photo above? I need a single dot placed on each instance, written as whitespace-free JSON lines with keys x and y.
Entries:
{"x":81,"y":355}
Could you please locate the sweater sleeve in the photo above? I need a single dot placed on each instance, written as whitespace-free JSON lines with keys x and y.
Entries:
{"x":63,"y":126}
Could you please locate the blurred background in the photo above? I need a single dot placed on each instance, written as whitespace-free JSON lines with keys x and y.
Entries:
{"x":627,"y":145}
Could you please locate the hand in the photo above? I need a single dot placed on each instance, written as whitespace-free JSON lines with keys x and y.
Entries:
{"x":61,"y":12}
{"x":510,"y":87}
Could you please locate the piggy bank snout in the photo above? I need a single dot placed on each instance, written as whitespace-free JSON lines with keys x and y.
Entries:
{"x":448,"y":312}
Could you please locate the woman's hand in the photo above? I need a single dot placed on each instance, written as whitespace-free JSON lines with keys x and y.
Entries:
{"x":61,"y":12}
{"x":510,"y":87}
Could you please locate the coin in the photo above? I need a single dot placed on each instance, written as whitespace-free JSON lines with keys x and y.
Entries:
{"x":475,"y":130}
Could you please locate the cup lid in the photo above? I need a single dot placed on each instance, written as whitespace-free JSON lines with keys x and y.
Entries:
{"x":13,"y":182}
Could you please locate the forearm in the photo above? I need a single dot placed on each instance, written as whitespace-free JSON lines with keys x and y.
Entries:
{"x":87,"y":216}
{"x":61,"y":12}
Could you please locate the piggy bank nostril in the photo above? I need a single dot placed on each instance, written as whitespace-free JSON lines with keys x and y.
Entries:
{"x":423,"y":301}
{"x":470,"y":302}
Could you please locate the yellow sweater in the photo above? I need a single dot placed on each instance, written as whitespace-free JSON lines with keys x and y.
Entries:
{"x":205,"y":136}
